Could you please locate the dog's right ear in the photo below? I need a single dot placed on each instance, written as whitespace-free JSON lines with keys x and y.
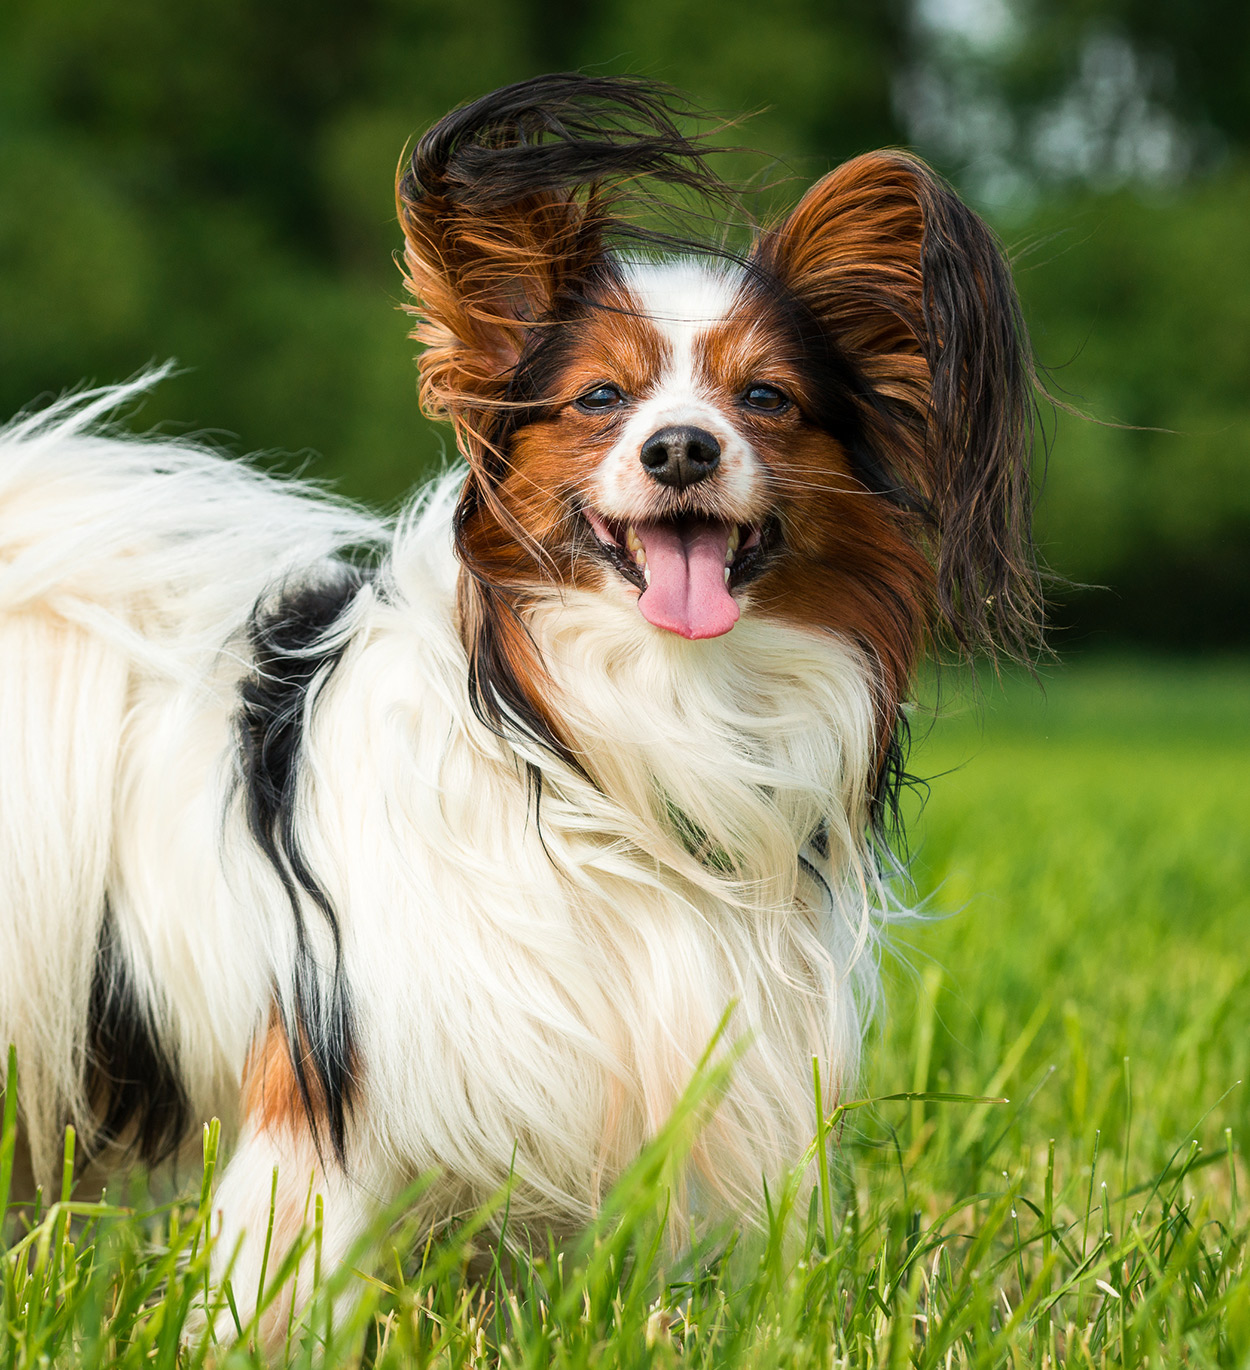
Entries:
{"x":505,"y":206}
{"x":915,"y":291}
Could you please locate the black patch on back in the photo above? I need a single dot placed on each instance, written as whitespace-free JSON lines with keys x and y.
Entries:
{"x":292,"y":660}
{"x":133,"y":1081}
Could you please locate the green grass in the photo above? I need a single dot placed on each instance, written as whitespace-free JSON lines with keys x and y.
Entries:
{"x":1084,"y":861}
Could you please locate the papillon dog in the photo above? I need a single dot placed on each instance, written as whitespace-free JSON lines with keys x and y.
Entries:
{"x":443,"y":847}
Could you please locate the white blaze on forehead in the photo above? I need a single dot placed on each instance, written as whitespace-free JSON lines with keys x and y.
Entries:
{"x":683,"y":299}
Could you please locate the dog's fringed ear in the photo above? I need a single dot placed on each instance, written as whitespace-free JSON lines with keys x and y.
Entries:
{"x":913,"y":290}
{"x":505,"y":206}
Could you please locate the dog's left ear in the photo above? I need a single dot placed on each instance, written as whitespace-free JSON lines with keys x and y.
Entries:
{"x":487,"y":254}
{"x":912,"y":289}
{"x":506,"y":206}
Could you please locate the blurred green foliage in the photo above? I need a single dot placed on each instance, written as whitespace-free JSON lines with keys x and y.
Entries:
{"x":1141,"y":309}
{"x":1194,"y":58}
{"x":212,"y":181}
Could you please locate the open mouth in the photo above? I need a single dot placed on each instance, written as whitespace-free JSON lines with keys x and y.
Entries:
{"x":686,"y":567}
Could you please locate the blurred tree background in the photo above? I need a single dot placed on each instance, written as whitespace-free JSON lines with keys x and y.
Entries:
{"x":211,"y":181}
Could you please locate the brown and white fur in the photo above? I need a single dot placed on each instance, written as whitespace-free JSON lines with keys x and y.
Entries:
{"x":446,"y":846}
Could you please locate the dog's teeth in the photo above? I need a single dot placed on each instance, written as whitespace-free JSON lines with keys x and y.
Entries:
{"x":726,"y":575}
{"x":731,"y":547}
{"x":646,"y":573}
{"x":633,"y":545}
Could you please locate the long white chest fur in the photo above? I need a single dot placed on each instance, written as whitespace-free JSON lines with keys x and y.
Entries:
{"x":542,"y":968}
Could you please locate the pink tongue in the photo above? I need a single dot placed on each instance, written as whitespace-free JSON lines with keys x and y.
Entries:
{"x":687,"y":593}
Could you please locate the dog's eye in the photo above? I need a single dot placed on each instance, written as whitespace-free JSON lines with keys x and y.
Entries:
{"x":764,"y":397}
{"x":601,"y":397}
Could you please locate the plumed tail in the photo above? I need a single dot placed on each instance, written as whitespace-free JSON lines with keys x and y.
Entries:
{"x":85,"y":410}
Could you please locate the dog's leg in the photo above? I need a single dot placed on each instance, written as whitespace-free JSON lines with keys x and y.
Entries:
{"x":276,"y":1137}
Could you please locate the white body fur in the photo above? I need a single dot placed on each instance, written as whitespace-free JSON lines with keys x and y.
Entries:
{"x":533,"y":989}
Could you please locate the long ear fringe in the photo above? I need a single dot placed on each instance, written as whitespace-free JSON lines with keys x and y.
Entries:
{"x":554,"y":134}
{"x":915,"y":290}
{"x":983,"y":423}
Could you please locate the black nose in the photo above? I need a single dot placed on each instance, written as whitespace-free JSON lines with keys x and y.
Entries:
{"x":680,"y":456}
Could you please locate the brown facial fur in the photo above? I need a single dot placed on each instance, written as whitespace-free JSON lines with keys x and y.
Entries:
{"x":554,"y":459}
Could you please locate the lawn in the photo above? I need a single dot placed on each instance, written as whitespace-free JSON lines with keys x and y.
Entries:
{"x":1082,"y":863}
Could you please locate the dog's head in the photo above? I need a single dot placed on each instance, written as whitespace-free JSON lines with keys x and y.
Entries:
{"x":832,"y":428}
